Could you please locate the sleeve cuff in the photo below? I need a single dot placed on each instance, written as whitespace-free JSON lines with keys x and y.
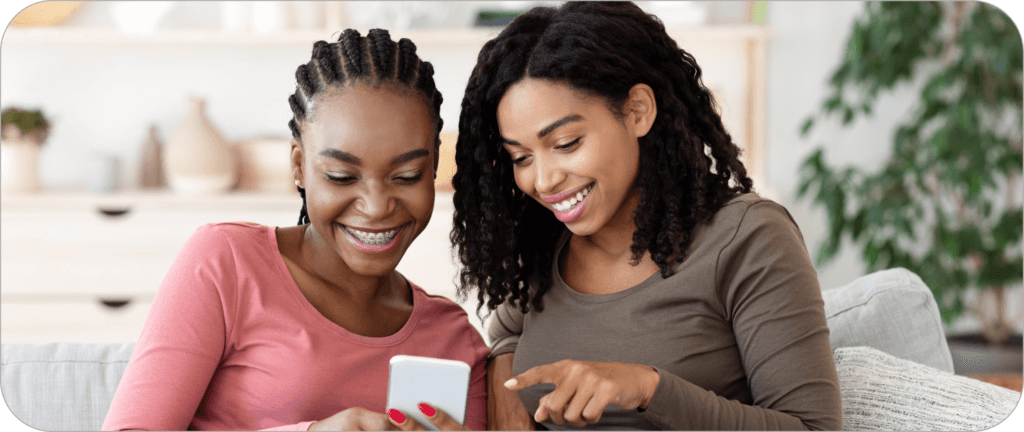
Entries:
{"x":665,"y":404}
{"x":503,"y":346}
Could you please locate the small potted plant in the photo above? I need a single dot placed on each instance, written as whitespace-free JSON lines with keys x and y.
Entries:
{"x":22,"y":135}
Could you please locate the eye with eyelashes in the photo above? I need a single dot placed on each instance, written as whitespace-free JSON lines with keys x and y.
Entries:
{"x":567,"y":146}
{"x":340,"y":179}
{"x":407,"y":178}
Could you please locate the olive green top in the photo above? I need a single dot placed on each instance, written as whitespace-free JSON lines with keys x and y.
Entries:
{"x":737,"y":333}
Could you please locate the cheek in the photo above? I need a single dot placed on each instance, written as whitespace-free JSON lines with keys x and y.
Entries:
{"x":524,"y":179}
{"x":326,"y":202}
{"x":420,"y":202}
{"x":618,"y":163}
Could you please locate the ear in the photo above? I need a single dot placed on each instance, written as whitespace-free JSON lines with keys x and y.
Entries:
{"x":641,"y":109}
{"x":298,"y":159}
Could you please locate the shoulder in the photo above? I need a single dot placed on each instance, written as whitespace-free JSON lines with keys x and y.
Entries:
{"x":227,"y":239}
{"x":441,"y":307}
{"x":230,"y":234}
{"x":745,"y":223}
{"x":749,"y":212}
{"x":445,"y":315}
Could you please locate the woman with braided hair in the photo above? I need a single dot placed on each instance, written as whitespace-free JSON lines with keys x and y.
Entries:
{"x":602,"y":214}
{"x":292,"y":328}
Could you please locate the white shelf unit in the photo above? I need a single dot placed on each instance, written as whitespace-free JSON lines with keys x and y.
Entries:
{"x":74,"y":274}
{"x":469,"y":35}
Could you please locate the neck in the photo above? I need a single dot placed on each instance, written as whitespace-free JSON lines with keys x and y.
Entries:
{"x":335,"y":274}
{"x":616,"y":236}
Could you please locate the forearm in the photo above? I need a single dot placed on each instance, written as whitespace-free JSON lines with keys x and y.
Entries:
{"x":680,"y":405}
{"x":505,"y":411}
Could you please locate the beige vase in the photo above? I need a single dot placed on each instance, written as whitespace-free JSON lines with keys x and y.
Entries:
{"x":19,"y":166}
{"x":151,"y":167}
{"x":197,"y":159}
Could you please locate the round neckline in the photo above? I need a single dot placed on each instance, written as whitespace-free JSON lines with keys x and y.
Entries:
{"x":591,"y":298}
{"x":419,"y":299}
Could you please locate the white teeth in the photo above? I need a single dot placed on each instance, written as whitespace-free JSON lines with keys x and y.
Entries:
{"x":568,"y":204}
{"x":374,"y":239}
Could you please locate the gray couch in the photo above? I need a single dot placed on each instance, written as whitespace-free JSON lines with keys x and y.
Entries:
{"x":895,"y":369}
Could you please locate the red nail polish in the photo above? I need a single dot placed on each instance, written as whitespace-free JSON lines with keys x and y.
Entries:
{"x":427,"y":410}
{"x":396,"y":415}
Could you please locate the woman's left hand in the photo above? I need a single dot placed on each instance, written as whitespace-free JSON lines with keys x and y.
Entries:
{"x":440,"y":419}
{"x":584,"y":388}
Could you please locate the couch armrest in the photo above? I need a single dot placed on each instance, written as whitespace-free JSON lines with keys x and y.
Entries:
{"x":882,"y":392}
{"x":62,"y":386}
{"x":892,"y":311}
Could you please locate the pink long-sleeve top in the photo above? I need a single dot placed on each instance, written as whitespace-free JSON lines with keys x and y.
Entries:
{"x":231,"y":343}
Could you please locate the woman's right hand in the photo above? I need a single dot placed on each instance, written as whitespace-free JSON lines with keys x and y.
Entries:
{"x":505,"y":411}
{"x":361,"y":419}
{"x":353,"y":419}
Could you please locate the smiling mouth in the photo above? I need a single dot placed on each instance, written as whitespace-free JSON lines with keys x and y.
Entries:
{"x":373,"y":238}
{"x":569,"y":203}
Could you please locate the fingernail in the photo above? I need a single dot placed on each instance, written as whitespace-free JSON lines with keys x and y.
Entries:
{"x":396,"y":415}
{"x":536,"y":416}
{"x":427,"y":410}
{"x":511,"y":383}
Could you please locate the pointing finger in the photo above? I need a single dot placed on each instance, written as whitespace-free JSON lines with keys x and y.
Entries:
{"x":533,"y":376}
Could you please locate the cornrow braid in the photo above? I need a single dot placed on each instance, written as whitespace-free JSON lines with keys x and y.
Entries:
{"x":372,"y":60}
{"x":504,"y":239}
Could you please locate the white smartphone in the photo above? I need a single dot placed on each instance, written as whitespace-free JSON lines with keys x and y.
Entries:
{"x":444,"y":384}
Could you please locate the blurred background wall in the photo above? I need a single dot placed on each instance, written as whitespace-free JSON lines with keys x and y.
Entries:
{"x":102,"y":97}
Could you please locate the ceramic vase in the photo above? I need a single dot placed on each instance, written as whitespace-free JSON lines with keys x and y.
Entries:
{"x":151,"y":173}
{"x":19,"y":166}
{"x":198,"y":160}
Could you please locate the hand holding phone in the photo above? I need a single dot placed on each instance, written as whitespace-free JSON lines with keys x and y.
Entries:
{"x":443,"y":384}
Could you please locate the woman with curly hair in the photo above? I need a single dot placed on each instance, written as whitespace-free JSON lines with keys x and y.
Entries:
{"x":292,"y":328}
{"x":602,"y":213}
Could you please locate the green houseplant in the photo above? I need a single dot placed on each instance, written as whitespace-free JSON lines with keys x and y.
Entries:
{"x":945,"y":204}
{"x":22,"y":134}
{"x":23,"y":126}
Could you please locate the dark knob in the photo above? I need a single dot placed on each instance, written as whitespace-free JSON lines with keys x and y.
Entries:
{"x":114,"y":211}
{"x":115,"y":303}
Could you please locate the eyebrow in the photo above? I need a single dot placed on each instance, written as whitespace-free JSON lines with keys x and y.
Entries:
{"x":345,"y":156}
{"x":571,"y":118}
{"x":410,"y":155}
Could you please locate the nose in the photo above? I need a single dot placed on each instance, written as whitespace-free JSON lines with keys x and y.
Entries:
{"x":377,"y":201}
{"x":548,"y":175}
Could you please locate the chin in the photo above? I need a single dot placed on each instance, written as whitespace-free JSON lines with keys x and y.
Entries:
{"x":372,"y":266}
{"x":581,"y":228}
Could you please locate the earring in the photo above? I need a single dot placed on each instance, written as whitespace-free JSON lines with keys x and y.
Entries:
{"x":297,"y":183}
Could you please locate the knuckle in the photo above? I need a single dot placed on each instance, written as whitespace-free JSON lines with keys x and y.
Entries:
{"x":608,"y":387}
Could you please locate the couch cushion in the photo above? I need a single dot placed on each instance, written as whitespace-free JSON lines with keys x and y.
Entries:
{"x":891,"y":310}
{"x":62,"y":386}
{"x":882,"y":392}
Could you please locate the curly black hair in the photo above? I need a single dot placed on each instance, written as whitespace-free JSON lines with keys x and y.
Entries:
{"x":689,"y":166}
{"x":374,"y":60}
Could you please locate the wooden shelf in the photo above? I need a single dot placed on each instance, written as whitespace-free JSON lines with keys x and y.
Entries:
{"x":217,"y":37}
{"x":477,"y":36}
{"x":162,"y":200}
